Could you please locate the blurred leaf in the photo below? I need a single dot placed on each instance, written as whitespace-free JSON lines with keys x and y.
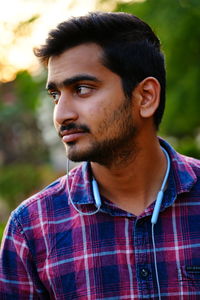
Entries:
{"x":20,"y":136}
{"x":24,"y":27}
{"x":27,"y":91}
{"x":19,"y":181}
{"x":2,"y":227}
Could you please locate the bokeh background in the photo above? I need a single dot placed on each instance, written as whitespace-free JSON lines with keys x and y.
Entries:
{"x":31,"y":155}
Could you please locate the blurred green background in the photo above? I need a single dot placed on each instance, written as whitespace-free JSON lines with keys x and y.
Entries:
{"x":31,"y":155}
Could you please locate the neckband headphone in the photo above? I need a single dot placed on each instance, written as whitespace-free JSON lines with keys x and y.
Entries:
{"x":154,"y":218}
{"x":97,"y":197}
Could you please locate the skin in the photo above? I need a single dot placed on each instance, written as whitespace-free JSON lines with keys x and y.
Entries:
{"x":89,"y":98}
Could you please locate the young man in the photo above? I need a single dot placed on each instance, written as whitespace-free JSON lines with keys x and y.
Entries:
{"x":91,"y":235}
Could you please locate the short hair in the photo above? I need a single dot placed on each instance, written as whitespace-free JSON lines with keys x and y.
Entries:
{"x":130,"y":48}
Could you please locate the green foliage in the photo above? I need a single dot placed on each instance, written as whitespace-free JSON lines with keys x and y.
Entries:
{"x":27,"y":91}
{"x":188,"y":146}
{"x":19,"y":181}
{"x":23,"y":28}
{"x":20,"y":135}
{"x":177,"y":24}
{"x":20,"y":96}
{"x":2,"y":227}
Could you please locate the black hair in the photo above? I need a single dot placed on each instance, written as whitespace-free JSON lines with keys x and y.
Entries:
{"x":130,"y":48}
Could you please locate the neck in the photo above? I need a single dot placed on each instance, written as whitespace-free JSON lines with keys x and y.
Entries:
{"x":134,"y":185}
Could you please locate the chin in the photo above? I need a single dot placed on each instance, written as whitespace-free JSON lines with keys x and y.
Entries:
{"x":90,"y":156}
{"x":78,"y":155}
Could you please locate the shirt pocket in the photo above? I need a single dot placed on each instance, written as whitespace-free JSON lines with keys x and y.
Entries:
{"x":188,"y":285}
{"x":190,"y":281}
{"x":191,"y":274}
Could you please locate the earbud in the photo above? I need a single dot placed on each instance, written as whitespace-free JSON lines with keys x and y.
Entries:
{"x":161,"y":192}
{"x":97,"y":197}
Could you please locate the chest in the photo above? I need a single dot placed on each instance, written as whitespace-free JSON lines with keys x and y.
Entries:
{"x":99,"y":257}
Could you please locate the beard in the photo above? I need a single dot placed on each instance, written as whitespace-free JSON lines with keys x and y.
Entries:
{"x":116,"y":144}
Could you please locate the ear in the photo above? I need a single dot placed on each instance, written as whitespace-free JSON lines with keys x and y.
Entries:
{"x":149,"y":90}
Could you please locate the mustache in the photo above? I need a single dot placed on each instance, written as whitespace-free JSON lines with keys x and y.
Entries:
{"x":73,"y":126}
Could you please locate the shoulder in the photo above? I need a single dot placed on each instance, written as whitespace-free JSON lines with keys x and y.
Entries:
{"x":186,"y":170}
{"x":55,"y":189}
{"x":192,"y":162}
{"x":45,"y":214}
{"x":180,"y":161}
{"x":47,"y":203}
{"x":187,"y":164}
{"x":191,"y":173}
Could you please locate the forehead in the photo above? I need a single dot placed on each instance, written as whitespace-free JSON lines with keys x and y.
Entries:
{"x":85,"y":58}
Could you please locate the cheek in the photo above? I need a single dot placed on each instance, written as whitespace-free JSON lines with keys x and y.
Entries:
{"x":54,"y":119}
{"x":105,"y":122}
{"x":96,"y":113}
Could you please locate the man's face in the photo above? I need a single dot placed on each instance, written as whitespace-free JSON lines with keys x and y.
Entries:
{"x":91,"y":115}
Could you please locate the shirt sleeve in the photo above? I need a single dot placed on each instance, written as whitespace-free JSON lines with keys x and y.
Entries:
{"x":18,"y":274}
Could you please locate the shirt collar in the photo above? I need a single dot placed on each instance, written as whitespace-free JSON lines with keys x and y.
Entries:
{"x":181,"y":179}
{"x":80,"y":184}
{"x":181,"y":169}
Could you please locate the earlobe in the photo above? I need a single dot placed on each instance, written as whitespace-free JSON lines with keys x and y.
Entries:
{"x":150,"y":97}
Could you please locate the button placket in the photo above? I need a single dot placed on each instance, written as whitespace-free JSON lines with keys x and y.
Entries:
{"x":144,"y":273}
{"x":143,"y":257}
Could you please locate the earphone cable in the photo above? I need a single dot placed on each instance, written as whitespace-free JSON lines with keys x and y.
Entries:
{"x":155,"y":217}
{"x":155,"y":261}
{"x":71,"y":201}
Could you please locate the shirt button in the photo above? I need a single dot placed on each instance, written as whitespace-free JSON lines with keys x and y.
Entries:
{"x":144,"y":273}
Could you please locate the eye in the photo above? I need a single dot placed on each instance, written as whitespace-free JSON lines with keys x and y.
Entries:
{"x":54,"y":95}
{"x":83,"y":90}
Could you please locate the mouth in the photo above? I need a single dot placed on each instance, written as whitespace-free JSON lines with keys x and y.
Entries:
{"x":71,"y":135}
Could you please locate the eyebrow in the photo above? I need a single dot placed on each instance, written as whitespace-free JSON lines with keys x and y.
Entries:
{"x":70,"y":81}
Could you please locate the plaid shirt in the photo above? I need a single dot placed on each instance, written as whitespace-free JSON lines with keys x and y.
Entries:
{"x":50,"y":251}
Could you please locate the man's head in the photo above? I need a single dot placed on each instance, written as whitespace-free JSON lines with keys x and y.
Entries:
{"x":130,"y":48}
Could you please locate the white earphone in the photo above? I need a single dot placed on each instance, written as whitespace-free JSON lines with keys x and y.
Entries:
{"x":97,"y":197}
{"x":155,"y":214}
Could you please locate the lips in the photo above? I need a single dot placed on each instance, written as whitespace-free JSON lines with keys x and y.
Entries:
{"x":71,"y":135}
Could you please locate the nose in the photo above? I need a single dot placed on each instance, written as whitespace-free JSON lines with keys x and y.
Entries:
{"x":64,"y":111}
